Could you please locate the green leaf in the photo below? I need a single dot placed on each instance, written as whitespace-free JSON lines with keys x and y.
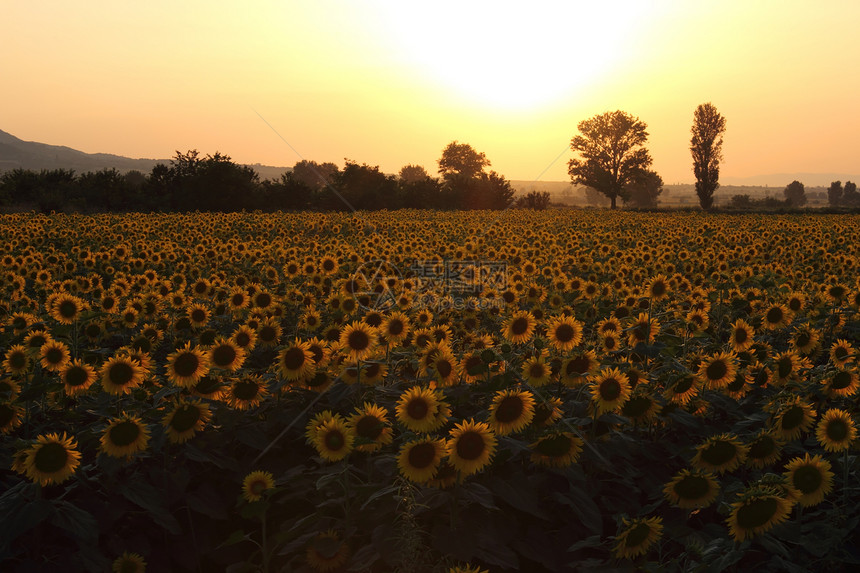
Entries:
{"x":76,"y":521}
{"x":147,"y":497}
{"x":237,"y":536}
{"x":593,"y":541}
{"x":585,"y":508}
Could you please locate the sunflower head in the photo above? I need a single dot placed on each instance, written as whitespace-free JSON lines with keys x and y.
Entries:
{"x":635,"y":537}
{"x":124,"y":437}
{"x":52,"y":459}
{"x":256,"y":484}
{"x":470,"y":446}
{"x":810,"y":478}
{"x":720,"y":454}
{"x":692,"y":489}
{"x":511,"y":411}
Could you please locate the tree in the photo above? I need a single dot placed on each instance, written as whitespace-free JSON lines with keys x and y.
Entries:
{"x":365,"y":187}
{"x":706,"y":146}
{"x":643,"y":191}
{"x":461,"y":161}
{"x":611,"y":146}
{"x":536,"y":200}
{"x":314,"y":175}
{"x":850,"y":196}
{"x":412,"y":174}
{"x":795,"y":194}
{"x":834,"y":194}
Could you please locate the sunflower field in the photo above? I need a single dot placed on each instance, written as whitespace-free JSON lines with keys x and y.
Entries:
{"x":429,"y":391}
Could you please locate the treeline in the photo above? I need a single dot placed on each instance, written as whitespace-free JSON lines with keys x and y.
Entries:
{"x":215,"y":183}
{"x":795,"y":197}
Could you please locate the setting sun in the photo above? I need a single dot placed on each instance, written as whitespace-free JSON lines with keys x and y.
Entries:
{"x":506,"y":57}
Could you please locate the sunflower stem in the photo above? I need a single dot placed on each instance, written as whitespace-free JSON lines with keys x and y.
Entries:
{"x":265,"y":546}
{"x":845,"y":479}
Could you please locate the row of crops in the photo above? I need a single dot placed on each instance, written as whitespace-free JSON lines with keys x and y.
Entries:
{"x":426,"y":391}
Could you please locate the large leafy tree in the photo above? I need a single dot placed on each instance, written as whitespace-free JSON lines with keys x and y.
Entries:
{"x":461,"y":161}
{"x":612,"y":153}
{"x":795,"y":194}
{"x":706,"y":146}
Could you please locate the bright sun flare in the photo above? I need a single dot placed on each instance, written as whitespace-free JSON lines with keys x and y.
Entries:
{"x":513,"y":56}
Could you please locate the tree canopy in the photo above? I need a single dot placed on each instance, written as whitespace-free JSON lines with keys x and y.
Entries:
{"x":706,"y":146}
{"x":612,"y":154}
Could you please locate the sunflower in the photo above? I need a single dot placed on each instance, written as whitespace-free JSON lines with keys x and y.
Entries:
{"x":256,"y":484}
{"x":124,"y":437}
{"x":564,"y":332}
{"x":556,"y":450}
{"x":764,"y":449}
{"x":465,"y":569}
{"x":610,"y":342}
{"x":658,"y":289}
{"x":10,"y":417}
{"x":792,"y":419}
{"x":246,"y":392}
{"x":810,"y":478}
{"x":444,"y":368}
{"x":52,"y":459}
{"x":358,"y":340}
{"x":806,"y":339}
{"x":787,"y":366}
{"x":296,"y":361}
{"x":547,"y":413}
{"x":511,"y":411}
{"x":237,"y":299}
{"x":692,"y":489}
{"x":245,"y":337}
{"x":186,"y":419}
{"x":641,"y":408}
{"x":36,"y":338}
{"x":77,"y":377}
{"x":697,"y":320}
{"x":268,"y":332}
{"x":129,"y":563}
{"x":327,"y":552}
{"x":395,"y":327}
{"x":720,"y":454}
{"x":636,"y":536}
{"x":718,"y":370}
{"x":470,"y":446}
{"x":520,"y":327}
{"x":575,"y":369}
{"x":419,"y":459}
{"x":642,"y":330}
{"x":417,"y":409}
{"x":776,"y":316}
{"x":226,"y":355}
{"x":17,"y":359}
{"x":741,"y":336}
{"x":187,"y":365}
{"x":66,"y":308}
{"x":841,"y":353}
{"x":536,"y":372}
{"x":333,"y":439}
{"x":739,"y":386}
{"x":120,"y":374}
{"x":841,"y":383}
{"x":836,"y":430}
{"x":371,"y":428}
{"x":611,"y":389}
{"x":759,"y":510}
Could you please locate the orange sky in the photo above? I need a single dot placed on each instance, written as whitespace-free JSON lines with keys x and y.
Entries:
{"x":390,"y":83}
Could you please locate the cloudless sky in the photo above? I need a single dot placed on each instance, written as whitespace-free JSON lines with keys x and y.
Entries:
{"x":392,"y":82}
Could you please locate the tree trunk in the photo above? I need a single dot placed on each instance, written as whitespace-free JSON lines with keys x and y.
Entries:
{"x":613,"y":201}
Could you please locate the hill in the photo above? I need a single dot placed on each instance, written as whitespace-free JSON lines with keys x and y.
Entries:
{"x":17,"y":153}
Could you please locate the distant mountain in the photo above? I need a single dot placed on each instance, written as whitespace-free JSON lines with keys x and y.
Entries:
{"x":782,"y":179}
{"x":17,"y":153}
